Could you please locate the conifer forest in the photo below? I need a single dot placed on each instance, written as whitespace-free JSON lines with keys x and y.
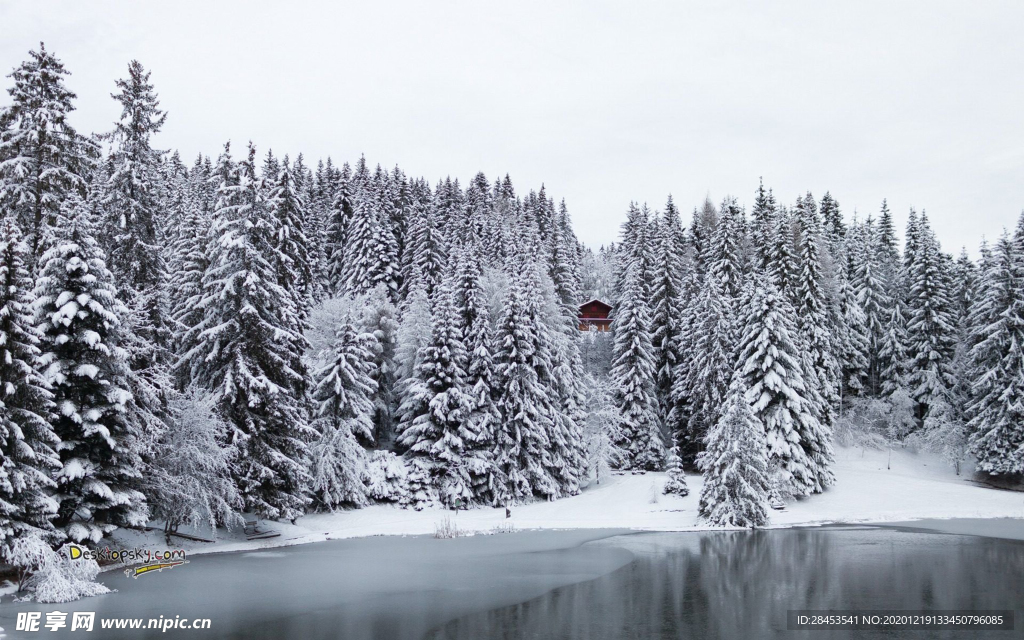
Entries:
{"x":254,"y":332}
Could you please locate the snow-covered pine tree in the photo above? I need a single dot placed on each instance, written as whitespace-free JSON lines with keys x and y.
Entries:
{"x":336,"y":196}
{"x":344,"y":390}
{"x":711,"y":359}
{"x":997,"y":360}
{"x":246,"y":352}
{"x":822,"y":369}
{"x":414,"y":333}
{"x":525,"y":399}
{"x":288,"y":212}
{"x":932,"y":335}
{"x":726,"y":257}
{"x":438,"y":437}
{"x":735,"y":465}
{"x":380,"y":319}
{"x":42,"y":158}
{"x":833,"y":227}
{"x":762,"y":228}
{"x":28,"y":444}
{"x":892,"y":352}
{"x":769,"y":363}
{"x":471,"y":302}
{"x":676,"y":477}
{"x":667,"y":303}
{"x":132,"y":208}
{"x":78,"y":315}
{"x":870,"y":291}
{"x":633,"y":375}
{"x":425,"y":251}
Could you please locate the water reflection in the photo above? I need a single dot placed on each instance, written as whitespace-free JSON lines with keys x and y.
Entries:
{"x":740,"y":585}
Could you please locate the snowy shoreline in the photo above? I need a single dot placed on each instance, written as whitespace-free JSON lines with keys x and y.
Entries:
{"x":918,"y":487}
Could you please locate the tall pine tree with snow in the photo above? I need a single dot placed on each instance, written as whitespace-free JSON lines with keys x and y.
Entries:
{"x":79,"y":317}
{"x":632,"y":376}
{"x":28,"y":444}
{"x":708,"y":368}
{"x":288,"y":212}
{"x":525,"y":399}
{"x":930,"y":330}
{"x":996,"y":410}
{"x":43,"y":159}
{"x":131,"y":204}
{"x":770,"y":367}
{"x":343,"y":391}
{"x":440,"y":436}
{"x":735,"y":466}
{"x":246,"y":352}
{"x":667,"y":302}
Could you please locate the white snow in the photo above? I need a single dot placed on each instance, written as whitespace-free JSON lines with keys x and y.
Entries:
{"x":918,"y":486}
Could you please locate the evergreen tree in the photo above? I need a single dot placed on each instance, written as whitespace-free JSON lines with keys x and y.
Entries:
{"x":711,"y":358}
{"x":667,"y":303}
{"x":997,"y":361}
{"x":343,"y":391}
{"x":735,"y":466}
{"x":932,"y":336}
{"x":42,"y":158}
{"x":821,"y":370}
{"x":288,"y":211}
{"x":676,"y":477}
{"x":78,"y":314}
{"x":439,"y":436}
{"x":27,"y":441}
{"x":772,"y":373}
{"x":632,"y":376}
{"x":524,"y":396}
{"x":245,"y":350}
{"x":892,"y":353}
{"x":131,"y":202}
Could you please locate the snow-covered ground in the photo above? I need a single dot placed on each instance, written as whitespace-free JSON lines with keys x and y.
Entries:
{"x":917,"y":486}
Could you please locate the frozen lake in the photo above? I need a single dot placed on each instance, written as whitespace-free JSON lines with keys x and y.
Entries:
{"x":569,"y":584}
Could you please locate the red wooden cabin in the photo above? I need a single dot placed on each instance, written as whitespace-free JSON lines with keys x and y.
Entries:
{"x":594,"y":316}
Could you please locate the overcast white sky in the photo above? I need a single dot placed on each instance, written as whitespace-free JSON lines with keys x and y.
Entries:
{"x":605,"y":102}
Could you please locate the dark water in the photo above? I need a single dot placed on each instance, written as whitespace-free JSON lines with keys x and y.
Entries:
{"x":740,"y":585}
{"x":569,"y":584}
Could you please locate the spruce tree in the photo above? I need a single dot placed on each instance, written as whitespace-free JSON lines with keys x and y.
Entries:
{"x":997,"y":361}
{"x":439,"y":436}
{"x":525,"y":399}
{"x":43,"y":159}
{"x":676,"y":477}
{"x":930,"y":330}
{"x":245,"y":350}
{"x":667,"y":300}
{"x":28,"y":444}
{"x":343,"y":390}
{"x":131,"y":203}
{"x":769,"y":363}
{"x":710,"y":364}
{"x":633,"y":376}
{"x":79,"y":317}
{"x":735,"y":466}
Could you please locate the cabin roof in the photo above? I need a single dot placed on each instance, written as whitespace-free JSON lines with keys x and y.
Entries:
{"x":597,"y":302}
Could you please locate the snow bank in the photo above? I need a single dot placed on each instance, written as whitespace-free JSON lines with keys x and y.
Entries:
{"x":917,"y":486}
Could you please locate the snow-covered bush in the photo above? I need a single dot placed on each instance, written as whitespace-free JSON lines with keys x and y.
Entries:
{"x":387,"y":478}
{"x":61,"y":579}
{"x":601,"y":431}
{"x":943,"y":434}
{"x":27,"y":555}
{"x":192,"y":471}
{"x":447,"y":529}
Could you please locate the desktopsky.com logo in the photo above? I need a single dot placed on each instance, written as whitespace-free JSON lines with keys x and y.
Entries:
{"x":143,"y":560}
